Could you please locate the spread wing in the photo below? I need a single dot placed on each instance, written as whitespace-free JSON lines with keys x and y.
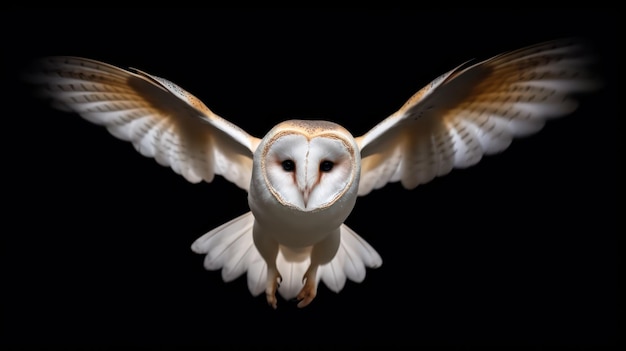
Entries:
{"x":473,"y":111}
{"x":159,"y":118}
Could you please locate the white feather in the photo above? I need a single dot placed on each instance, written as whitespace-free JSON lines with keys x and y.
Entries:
{"x":230,"y":247}
{"x":353,"y":257}
{"x":292,"y":273}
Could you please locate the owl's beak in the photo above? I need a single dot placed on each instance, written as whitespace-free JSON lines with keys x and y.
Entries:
{"x":306,"y":184}
{"x":305,"y":195}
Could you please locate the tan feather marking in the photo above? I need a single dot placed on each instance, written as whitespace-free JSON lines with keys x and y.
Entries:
{"x":313,"y":128}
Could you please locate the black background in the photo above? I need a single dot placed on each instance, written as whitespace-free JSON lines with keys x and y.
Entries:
{"x":520,"y":249}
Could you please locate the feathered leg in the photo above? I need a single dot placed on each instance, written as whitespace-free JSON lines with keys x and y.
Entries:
{"x":268,"y":248}
{"x":322,"y":253}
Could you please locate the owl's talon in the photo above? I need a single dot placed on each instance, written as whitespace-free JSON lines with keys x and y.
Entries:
{"x":308,"y":293}
{"x":270,"y":290}
{"x":271,"y":300}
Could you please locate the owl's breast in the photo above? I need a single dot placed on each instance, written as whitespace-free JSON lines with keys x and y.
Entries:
{"x":296,"y":227}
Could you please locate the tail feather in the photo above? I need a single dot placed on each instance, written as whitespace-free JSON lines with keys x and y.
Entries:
{"x":352,"y":259}
{"x":292,"y":273}
{"x":257,"y":274}
{"x":222,"y":244}
{"x":230,"y":247}
{"x":238,"y":256}
{"x":333,"y":274}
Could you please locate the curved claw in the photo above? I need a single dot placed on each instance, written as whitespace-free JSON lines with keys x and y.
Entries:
{"x":308,"y":293}
{"x":271,"y":300}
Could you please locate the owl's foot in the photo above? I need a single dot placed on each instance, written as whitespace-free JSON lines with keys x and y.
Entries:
{"x":308,"y":292}
{"x":270,"y":290}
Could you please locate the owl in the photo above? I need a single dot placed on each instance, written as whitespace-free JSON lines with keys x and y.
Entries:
{"x":304,"y":177}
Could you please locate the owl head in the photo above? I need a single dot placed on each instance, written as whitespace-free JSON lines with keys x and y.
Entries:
{"x":308,"y":165}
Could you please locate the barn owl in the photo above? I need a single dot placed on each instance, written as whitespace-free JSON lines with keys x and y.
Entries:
{"x":304,"y":176}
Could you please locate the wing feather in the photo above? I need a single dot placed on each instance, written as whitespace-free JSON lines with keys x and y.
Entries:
{"x":475,"y":110}
{"x":159,"y":118}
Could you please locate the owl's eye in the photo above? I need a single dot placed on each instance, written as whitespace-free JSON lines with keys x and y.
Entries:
{"x":326,"y":166}
{"x":288,"y":165}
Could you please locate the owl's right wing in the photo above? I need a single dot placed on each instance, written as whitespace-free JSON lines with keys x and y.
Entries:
{"x":475,"y":110}
{"x":159,"y":118}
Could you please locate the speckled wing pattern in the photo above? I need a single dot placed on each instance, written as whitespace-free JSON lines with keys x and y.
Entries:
{"x":160,"y":119}
{"x":475,"y":110}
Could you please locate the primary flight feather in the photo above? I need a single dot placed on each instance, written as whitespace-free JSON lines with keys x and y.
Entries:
{"x":304,"y":176}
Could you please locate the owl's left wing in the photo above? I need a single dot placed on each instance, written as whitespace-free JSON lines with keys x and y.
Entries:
{"x":473,"y":111}
{"x":159,"y":118}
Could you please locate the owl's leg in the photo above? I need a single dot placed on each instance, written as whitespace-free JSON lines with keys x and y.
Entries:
{"x":322,"y":253}
{"x":268,"y":248}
